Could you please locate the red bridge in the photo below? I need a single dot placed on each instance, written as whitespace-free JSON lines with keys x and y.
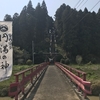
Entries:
{"x":50,"y":82}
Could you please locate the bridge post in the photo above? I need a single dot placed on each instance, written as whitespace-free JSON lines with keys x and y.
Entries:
{"x":31,"y":76}
{"x":71,"y":69}
{"x":23,"y":76}
{"x":81,"y":83}
{"x":16,"y":97}
{"x":78,"y":74}
{"x":84,"y":77}
{"x":36,"y":73}
{"x":85,"y":95}
{"x":78,"y":85}
{"x":17,"y":78}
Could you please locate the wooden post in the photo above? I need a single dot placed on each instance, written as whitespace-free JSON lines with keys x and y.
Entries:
{"x":17,"y":80}
{"x":85,"y":95}
{"x":78,"y":86}
{"x":16,"y":97}
{"x":23,"y":76}
{"x":84,"y":76}
{"x":31,"y":76}
{"x":99,"y":96}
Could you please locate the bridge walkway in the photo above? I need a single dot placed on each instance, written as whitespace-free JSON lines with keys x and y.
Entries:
{"x":53,"y":86}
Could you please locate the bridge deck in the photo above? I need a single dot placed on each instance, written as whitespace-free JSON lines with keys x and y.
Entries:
{"x":53,"y":87}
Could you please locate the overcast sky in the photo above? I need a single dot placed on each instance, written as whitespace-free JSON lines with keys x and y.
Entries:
{"x":15,"y":6}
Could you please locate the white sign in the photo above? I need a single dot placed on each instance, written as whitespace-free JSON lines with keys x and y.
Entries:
{"x":6,"y":55}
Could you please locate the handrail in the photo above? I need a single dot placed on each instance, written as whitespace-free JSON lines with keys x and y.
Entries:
{"x":77,"y":80}
{"x":79,"y":73}
{"x":19,"y":84}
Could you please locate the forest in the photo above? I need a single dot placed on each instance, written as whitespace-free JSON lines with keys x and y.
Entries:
{"x":77,"y":33}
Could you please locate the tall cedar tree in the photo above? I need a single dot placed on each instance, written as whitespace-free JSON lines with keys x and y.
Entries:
{"x":32,"y":25}
{"x":76,"y":36}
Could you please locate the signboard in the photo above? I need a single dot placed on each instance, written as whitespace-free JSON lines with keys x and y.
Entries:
{"x":6,"y":57}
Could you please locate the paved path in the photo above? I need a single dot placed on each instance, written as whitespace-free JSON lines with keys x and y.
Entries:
{"x":54,"y":87}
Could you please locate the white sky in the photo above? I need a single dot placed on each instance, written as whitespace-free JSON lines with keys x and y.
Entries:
{"x":15,"y":6}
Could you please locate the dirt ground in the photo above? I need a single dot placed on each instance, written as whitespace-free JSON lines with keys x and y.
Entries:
{"x":5,"y":98}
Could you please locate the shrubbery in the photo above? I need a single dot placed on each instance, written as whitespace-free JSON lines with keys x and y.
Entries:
{"x":4,"y":92}
{"x":20,"y":61}
{"x":29,"y":62}
{"x":65,"y":61}
{"x":95,"y":88}
{"x":78,"y":59}
{"x":62,"y":61}
{"x":20,"y":56}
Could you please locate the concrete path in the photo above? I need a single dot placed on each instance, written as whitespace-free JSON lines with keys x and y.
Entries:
{"x":54,"y":87}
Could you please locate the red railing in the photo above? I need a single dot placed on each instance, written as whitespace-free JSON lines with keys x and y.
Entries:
{"x":82,"y":84}
{"x":73,"y":70}
{"x":23,"y":77}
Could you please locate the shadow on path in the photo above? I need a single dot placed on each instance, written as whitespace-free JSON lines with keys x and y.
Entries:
{"x":30,"y":95}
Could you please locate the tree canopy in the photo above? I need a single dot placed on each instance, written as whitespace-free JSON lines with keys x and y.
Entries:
{"x":78,"y":32}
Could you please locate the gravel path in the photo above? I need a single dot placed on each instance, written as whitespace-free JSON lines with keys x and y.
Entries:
{"x":54,"y":87}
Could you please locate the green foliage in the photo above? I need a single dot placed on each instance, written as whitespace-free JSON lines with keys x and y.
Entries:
{"x":89,"y":63}
{"x":58,"y":58}
{"x":78,"y":59}
{"x":78,"y":37}
{"x":92,"y":58}
{"x":7,"y":18}
{"x":93,"y":75}
{"x":95,"y":88}
{"x":4,"y":92}
{"x":62,"y":61}
{"x":32,"y":24}
{"x":29,"y":62}
{"x":4,"y":85}
{"x":74,"y":37}
{"x":39,"y":58}
{"x":20,"y":56}
{"x":20,"y":61}
{"x":61,"y":51}
{"x":67,"y":61}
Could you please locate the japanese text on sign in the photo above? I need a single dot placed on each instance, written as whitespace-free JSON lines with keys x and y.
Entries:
{"x":5,"y":50}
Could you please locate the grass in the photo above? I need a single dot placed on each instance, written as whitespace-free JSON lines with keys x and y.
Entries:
{"x":93,"y":71}
{"x":16,"y":68}
{"x":5,"y":98}
{"x":6,"y":83}
{"x":93,"y":75}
